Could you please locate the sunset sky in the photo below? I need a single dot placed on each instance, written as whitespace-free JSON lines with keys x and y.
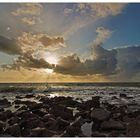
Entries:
{"x":69,"y":42}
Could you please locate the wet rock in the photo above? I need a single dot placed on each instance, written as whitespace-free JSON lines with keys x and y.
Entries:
{"x":39,"y":112}
{"x":35,"y":106}
{"x":13,"y":120}
{"x":67,"y":101}
{"x":14,"y":130}
{"x":78,"y":122}
{"x":95,"y":102}
{"x":47,"y":116}
{"x":17,"y":106}
{"x":28,"y":115}
{"x":115,"y":133}
{"x":63,"y":112}
{"x":87,"y":129}
{"x":123,"y":95}
{"x":46,"y":100}
{"x":51,"y":124}
{"x":100,"y":114}
{"x":98,"y":134}
{"x":5,"y":103}
{"x":73,"y":131}
{"x":29,"y":96}
{"x":2,"y":125}
{"x":19,"y":97}
{"x":31,"y":123}
{"x":61,"y":123}
{"x":41,"y":132}
{"x":6,"y":115}
{"x":1,"y":109}
{"x":133,"y":128}
{"x":112,"y":125}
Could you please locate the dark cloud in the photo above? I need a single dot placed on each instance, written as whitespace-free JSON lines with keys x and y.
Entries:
{"x":128,"y":62}
{"x":9,"y":46}
{"x":104,"y":63}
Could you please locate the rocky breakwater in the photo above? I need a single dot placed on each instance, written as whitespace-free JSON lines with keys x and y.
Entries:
{"x":56,"y":117}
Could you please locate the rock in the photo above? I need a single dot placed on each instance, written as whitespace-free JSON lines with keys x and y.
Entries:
{"x":2,"y":125}
{"x":17,"y":106}
{"x":78,"y":122}
{"x":1,"y":109}
{"x":19,"y":97}
{"x":14,"y":130}
{"x":6,"y":115}
{"x":4,"y":103}
{"x":51,"y":124}
{"x":47,"y":116}
{"x":95,"y":102}
{"x":115,"y":133}
{"x":31,"y":123}
{"x":61,"y":123}
{"x":98,"y":134}
{"x":66,"y":101}
{"x":123,"y":95}
{"x":29,"y":96}
{"x":133,"y":128}
{"x":39,"y":112}
{"x":28,"y":115}
{"x":112,"y":125}
{"x":41,"y":132}
{"x":99,"y":114}
{"x":22,"y":108}
{"x":13,"y":120}
{"x":73,"y":131}
{"x":87,"y":129}
{"x":35,"y":106}
{"x":63,"y":112}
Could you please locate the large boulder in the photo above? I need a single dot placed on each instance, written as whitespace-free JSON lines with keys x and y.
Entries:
{"x":133,"y":128}
{"x":4,"y":103}
{"x":112,"y":125}
{"x":95,"y":102}
{"x":14,"y":130}
{"x":62,"y":111}
{"x":100,"y":114}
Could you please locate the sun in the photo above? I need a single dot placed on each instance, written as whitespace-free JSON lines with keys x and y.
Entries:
{"x":51,"y":58}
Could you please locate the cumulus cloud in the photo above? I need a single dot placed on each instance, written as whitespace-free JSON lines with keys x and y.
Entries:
{"x":9,"y":46}
{"x":28,"y":13}
{"x":86,"y":13}
{"x":101,"y":10}
{"x":103,"y":61}
{"x":32,"y":42}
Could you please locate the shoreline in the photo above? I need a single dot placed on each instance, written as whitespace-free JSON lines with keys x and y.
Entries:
{"x":43,"y":115}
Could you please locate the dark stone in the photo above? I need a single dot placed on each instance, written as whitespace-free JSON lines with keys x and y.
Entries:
{"x":78,"y":122}
{"x":66,"y":101}
{"x":99,"y":114}
{"x":41,"y":132}
{"x":5,"y":103}
{"x":17,"y":106}
{"x":123,"y":95}
{"x":6,"y":115}
{"x":47,"y":116}
{"x":39,"y":112}
{"x":133,"y":128}
{"x":29,"y":96}
{"x":28,"y":115}
{"x":61,"y":123}
{"x":19,"y":97}
{"x":13,"y":120}
{"x":14,"y":130}
{"x":1,"y":109}
{"x":35,"y":106}
{"x":2,"y":125}
{"x":112,"y":125}
{"x":63,"y":112}
{"x":95,"y":102}
{"x":98,"y":134}
{"x":73,"y":131}
{"x":51,"y":124}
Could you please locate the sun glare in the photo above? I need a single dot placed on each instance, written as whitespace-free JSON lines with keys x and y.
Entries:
{"x":51,"y":58}
{"x":49,"y":71}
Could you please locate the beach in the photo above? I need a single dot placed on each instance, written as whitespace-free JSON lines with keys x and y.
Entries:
{"x":69,"y":110}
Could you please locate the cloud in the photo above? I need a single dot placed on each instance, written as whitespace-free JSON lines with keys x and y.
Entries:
{"x":28,"y":13}
{"x":86,"y":13}
{"x":103,"y":61}
{"x":9,"y":46}
{"x":101,"y":10}
{"x":32,"y":42}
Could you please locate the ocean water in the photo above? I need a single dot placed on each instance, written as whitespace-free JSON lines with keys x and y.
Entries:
{"x":109,"y":92}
